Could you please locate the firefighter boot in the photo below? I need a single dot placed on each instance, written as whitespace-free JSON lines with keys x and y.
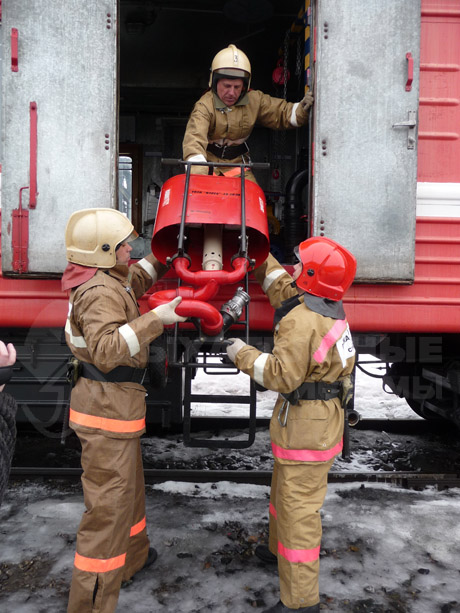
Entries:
{"x":264,"y":554}
{"x":281,"y":608}
{"x":151,"y":557}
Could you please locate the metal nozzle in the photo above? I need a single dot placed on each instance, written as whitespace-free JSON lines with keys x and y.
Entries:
{"x":231,"y":310}
{"x":353,"y":417}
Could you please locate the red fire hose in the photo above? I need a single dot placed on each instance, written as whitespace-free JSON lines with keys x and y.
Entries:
{"x":194,"y":300}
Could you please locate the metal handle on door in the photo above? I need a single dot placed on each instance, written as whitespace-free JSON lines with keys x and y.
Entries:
{"x":14,"y":50}
{"x":410,"y":71}
{"x":410,"y":125}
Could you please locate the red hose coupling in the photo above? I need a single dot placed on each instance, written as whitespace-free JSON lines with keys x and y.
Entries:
{"x":193,"y":305}
{"x":202,"y":277}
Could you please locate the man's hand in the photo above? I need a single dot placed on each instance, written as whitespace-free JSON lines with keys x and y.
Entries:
{"x":7,"y":357}
{"x":167,"y":312}
{"x":306,"y":101}
{"x":234,"y":348}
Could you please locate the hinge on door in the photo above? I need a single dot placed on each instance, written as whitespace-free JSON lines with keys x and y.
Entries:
{"x":20,"y":229}
{"x":20,"y":237}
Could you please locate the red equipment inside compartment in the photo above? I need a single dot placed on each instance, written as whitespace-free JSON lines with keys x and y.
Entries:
{"x":211,"y":200}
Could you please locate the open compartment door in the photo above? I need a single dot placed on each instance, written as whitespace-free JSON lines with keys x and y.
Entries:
{"x":59,"y":124}
{"x":365,"y":132}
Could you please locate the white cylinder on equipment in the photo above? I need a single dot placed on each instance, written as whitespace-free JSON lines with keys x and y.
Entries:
{"x":212,"y":247}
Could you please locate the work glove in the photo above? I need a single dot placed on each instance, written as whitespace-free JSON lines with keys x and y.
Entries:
{"x":234,"y":348}
{"x":167,"y":313}
{"x":306,"y":101}
{"x":198,"y":170}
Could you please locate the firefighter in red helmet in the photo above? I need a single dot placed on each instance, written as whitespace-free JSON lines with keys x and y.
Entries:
{"x":109,"y":340}
{"x":224,"y":117}
{"x":310,"y":367}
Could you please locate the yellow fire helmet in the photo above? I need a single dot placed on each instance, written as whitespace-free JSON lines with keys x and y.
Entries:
{"x":92,"y":236}
{"x":232,"y":63}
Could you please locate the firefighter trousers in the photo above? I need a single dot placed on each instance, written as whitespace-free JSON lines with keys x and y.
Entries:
{"x":296,"y":497}
{"x":112,"y":542}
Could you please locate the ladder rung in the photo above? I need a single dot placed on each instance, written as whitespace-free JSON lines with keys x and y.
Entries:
{"x":214,"y":398}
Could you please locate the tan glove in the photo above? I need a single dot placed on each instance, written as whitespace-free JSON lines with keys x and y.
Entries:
{"x":306,"y":101}
{"x":167,"y":313}
{"x":234,"y":348}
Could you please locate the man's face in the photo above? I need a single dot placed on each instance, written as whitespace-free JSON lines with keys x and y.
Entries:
{"x":297,"y":270}
{"x":229,"y":90}
{"x":123,"y":252}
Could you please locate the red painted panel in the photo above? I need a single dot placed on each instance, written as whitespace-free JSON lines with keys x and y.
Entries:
{"x":439,"y":110}
{"x":432,"y":303}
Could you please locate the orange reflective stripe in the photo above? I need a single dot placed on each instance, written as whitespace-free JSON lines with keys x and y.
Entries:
{"x":138,"y":527}
{"x":302,"y":556}
{"x":105,"y":423}
{"x":233,"y":172}
{"x":306,"y":455}
{"x":95,"y":565}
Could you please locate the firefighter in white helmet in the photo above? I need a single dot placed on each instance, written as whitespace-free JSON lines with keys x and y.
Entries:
{"x":224,"y":117}
{"x":109,"y":339}
{"x":310,"y":366}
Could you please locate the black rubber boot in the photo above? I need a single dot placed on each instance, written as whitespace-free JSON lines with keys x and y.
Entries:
{"x":281,"y":608}
{"x":264,"y":554}
{"x":151,"y":557}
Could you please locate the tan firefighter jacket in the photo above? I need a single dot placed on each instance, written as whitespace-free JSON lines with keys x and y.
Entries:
{"x":211,"y":121}
{"x":104,"y":327}
{"x":307,"y":347}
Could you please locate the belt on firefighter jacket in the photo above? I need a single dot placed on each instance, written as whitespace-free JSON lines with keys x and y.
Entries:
{"x":120,"y":374}
{"x":227,"y":152}
{"x":314,"y":390}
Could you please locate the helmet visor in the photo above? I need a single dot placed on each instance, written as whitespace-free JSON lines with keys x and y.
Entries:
{"x":231,"y":73}
{"x":131,"y":237}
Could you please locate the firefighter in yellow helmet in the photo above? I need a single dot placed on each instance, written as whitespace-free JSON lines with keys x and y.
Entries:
{"x":109,"y":340}
{"x":224,"y":117}
{"x":310,"y":366}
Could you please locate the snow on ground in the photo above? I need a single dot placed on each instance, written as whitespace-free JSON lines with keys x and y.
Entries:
{"x":384,"y":548}
{"x":370,"y":400}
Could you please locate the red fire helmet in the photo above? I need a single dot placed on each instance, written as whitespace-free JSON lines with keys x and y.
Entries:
{"x":328,"y":269}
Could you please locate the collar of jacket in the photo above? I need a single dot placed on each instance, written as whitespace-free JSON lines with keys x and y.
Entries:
{"x":120,"y":272}
{"x":221,"y":106}
{"x":285,"y":308}
{"x":323,"y":306}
